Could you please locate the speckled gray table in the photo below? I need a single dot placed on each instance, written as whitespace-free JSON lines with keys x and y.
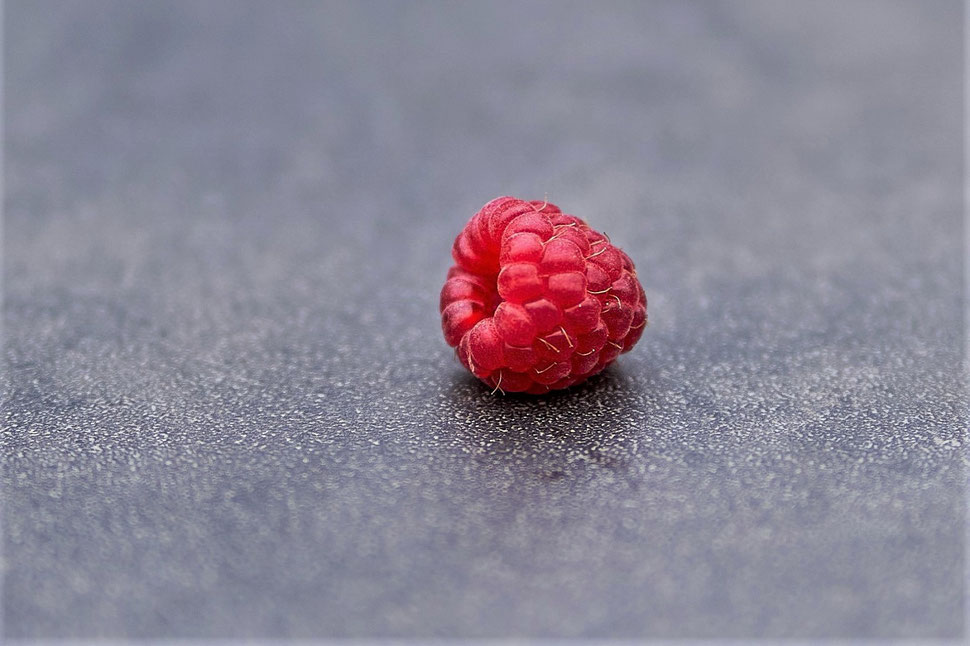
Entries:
{"x":228,"y":409}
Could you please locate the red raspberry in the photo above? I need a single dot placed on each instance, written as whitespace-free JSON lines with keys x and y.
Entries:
{"x":536,"y":300}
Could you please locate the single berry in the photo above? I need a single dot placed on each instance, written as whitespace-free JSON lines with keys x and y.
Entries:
{"x":536,"y":300}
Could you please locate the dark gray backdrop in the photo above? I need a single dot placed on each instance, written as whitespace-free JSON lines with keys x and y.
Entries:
{"x":229,"y":410}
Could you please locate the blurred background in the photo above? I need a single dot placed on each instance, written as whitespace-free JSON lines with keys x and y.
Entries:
{"x":228,"y":409}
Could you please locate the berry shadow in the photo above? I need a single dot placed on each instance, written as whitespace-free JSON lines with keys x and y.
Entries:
{"x":595,"y":426}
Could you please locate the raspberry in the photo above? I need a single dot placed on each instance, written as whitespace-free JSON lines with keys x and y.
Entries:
{"x":536,"y":300}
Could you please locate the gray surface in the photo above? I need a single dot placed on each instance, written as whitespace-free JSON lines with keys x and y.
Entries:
{"x":229,"y":408}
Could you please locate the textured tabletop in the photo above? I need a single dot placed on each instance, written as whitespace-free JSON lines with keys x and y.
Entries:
{"x":228,"y":408}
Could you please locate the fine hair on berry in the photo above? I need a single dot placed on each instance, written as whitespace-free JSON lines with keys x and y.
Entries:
{"x":537,"y":300}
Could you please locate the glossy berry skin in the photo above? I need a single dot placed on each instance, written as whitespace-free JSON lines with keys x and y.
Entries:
{"x":536,"y":300}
